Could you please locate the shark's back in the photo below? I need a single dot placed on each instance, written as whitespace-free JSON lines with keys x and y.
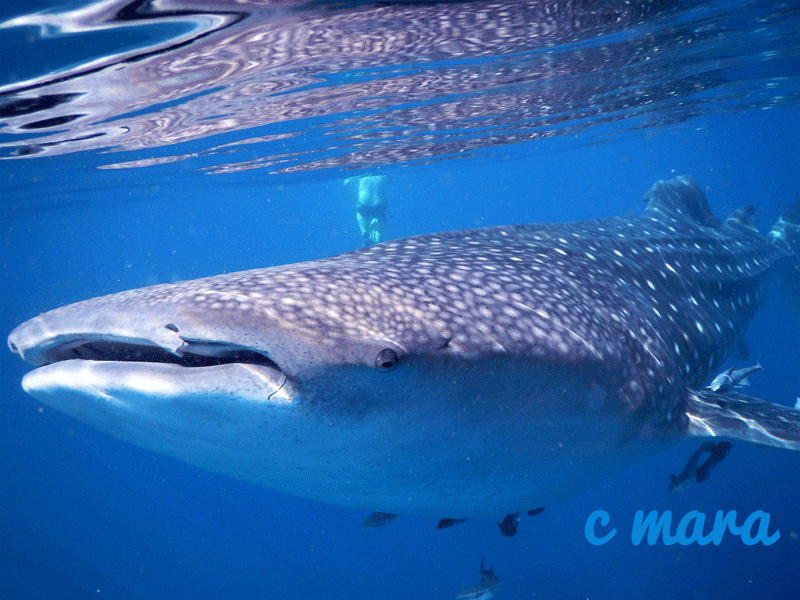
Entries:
{"x":658,"y":300}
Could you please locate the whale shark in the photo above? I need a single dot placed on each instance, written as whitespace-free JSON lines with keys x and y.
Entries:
{"x":459,"y":374}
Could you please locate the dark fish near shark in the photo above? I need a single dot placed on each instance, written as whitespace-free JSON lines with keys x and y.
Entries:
{"x":509,"y":524}
{"x":733,"y":377}
{"x":378,"y":519}
{"x":718,"y":453}
{"x":687,"y":476}
{"x":692,"y":472}
{"x":458,"y":374}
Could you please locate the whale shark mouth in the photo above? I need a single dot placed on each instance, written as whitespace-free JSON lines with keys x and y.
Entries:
{"x":191,"y":354}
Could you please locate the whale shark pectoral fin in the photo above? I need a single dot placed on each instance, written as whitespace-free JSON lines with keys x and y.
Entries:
{"x":739,"y":417}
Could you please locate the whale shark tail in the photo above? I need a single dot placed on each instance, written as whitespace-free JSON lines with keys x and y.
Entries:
{"x":786,"y":232}
{"x":731,"y":415}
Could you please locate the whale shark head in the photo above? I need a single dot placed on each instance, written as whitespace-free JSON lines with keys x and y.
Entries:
{"x":344,"y":379}
{"x":466,"y":373}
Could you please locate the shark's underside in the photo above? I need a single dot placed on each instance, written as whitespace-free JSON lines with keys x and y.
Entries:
{"x":466,"y":373}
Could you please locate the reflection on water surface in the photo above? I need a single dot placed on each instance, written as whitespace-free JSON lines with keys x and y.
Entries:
{"x":324,"y":85}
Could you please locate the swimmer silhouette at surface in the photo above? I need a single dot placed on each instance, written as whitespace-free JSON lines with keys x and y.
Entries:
{"x":370,"y":207}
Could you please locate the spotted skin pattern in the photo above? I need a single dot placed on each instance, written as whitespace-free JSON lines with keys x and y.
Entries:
{"x":663,"y":295}
{"x":657,"y":300}
{"x":632,"y":314}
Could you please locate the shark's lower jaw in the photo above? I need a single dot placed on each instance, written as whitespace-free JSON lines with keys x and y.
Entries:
{"x":160,"y":406}
{"x":471,"y":445}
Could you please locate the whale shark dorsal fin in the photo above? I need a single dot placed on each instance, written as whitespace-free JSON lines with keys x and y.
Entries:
{"x":680,"y":196}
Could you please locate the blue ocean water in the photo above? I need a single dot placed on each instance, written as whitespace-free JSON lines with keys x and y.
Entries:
{"x":85,"y":515}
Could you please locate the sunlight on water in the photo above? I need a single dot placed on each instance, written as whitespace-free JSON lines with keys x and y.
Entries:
{"x":291,"y":87}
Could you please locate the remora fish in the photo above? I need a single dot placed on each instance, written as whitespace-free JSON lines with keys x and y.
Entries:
{"x":733,"y":377}
{"x":459,"y":374}
{"x":691,"y":472}
{"x":682,"y":481}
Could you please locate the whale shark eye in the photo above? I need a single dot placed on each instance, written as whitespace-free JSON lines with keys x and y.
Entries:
{"x":386,"y":360}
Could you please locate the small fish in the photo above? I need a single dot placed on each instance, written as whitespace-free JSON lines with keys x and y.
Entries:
{"x":679,"y":483}
{"x":718,"y":452}
{"x":378,"y":519}
{"x":508,"y":526}
{"x":445,"y":523}
{"x":733,"y":377}
{"x":691,"y":472}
